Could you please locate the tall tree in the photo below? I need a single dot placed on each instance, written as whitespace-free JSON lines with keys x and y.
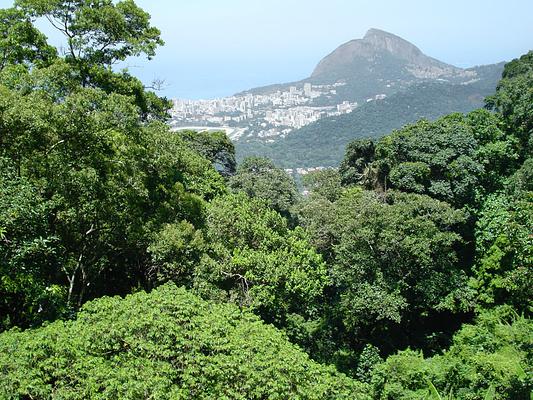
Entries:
{"x":356,"y":167}
{"x":258,"y":262}
{"x":98,"y":32}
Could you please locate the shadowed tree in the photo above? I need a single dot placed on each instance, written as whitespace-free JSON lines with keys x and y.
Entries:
{"x":216,"y":147}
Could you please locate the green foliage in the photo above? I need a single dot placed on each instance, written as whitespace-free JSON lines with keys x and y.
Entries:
{"x":21,"y":42}
{"x":98,"y":197}
{"x":107,"y":182}
{"x":323,"y":183}
{"x":152,"y":107}
{"x":259,"y":177}
{"x":457,"y":159}
{"x":433,"y":158}
{"x":514,"y":100}
{"x":490,"y":359}
{"x":27,"y":254}
{"x":522,"y":179}
{"x":216,"y":147}
{"x":369,"y":358}
{"x":393,"y":256}
{"x":395,"y":271}
{"x":410,"y":176}
{"x":168,"y":345}
{"x":257,"y":261}
{"x":316,"y":216}
{"x":98,"y":32}
{"x":498,"y":152}
{"x":355,"y":166}
{"x":505,"y":251}
{"x":176,"y":251}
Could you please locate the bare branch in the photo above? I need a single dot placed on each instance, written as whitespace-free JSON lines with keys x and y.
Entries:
{"x":157,"y":85}
{"x":54,"y":146}
{"x":244,"y":284}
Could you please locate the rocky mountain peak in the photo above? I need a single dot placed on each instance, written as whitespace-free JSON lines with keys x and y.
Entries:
{"x":356,"y":55}
{"x":393,"y":44}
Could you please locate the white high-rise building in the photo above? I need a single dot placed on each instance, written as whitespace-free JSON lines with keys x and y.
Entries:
{"x":308,"y":89}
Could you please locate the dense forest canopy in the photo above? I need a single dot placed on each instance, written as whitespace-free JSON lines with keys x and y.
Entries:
{"x":166,"y":344}
{"x":140,"y":263}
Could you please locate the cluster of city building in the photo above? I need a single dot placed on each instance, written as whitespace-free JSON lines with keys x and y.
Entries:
{"x":275,"y":113}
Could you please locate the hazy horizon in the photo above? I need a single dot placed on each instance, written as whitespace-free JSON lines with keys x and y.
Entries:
{"x":215,"y":50}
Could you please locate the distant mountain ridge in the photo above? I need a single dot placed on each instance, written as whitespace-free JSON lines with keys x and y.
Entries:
{"x":379,"y":56}
{"x":378,"y":66}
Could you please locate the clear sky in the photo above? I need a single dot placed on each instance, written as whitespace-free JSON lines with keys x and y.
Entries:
{"x":218,"y":47}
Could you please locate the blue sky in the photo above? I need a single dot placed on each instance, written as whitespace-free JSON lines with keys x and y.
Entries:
{"x":216,"y":48}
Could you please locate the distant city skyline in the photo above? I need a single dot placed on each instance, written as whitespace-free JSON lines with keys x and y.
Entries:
{"x":215,"y":49}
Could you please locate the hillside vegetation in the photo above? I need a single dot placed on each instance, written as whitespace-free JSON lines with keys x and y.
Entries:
{"x":322,"y":143}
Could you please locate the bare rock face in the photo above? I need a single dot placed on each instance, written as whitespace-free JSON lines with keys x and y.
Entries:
{"x":377,"y":46}
{"x":381,"y":40}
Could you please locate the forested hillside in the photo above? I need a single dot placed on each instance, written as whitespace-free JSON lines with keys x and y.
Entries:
{"x":322,"y":143}
{"x":140,"y":263}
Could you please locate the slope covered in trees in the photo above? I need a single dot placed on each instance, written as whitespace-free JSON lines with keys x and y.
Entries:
{"x":404,"y":274}
{"x":322,"y":143}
